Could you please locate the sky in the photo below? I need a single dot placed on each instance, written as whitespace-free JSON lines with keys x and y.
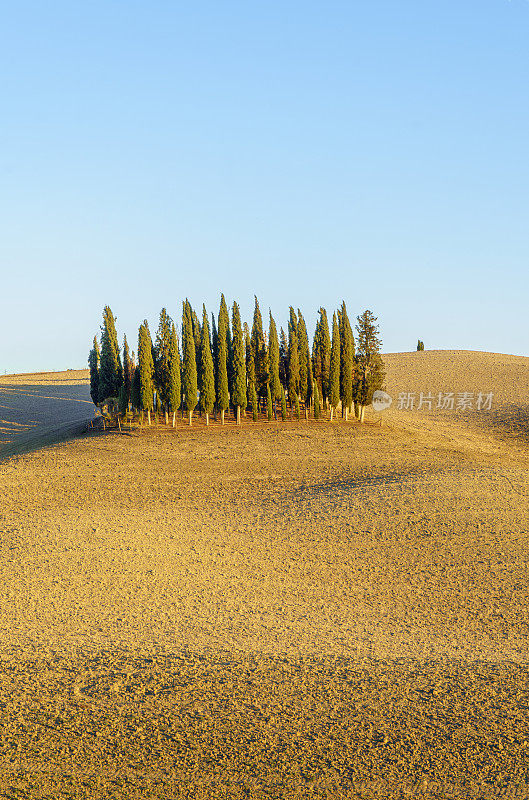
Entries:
{"x":304,"y":152}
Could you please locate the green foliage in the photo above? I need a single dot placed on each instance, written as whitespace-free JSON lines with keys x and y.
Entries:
{"x":334,"y":374}
{"x":346,"y":358}
{"x":189,"y":377}
{"x":93,"y":363}
{"x":273,"y":355}
{"x":223,"y":396}
{"x":321,"y":354}
{"x":316,"y":401}
{"x":268,"y":403}
{"x":283,"y":404}
{"x":283,"y":359}
{"x":123,"y":400}
{"x":296,"y":406}
{"x":293,"y":357}
{"x":110,"y":369}
{"x":370,"y":372}
{"x":238,"y":389}
{"x":146,"y":368}
{"x":207,"y":376}
{"x":135,"y":392}
{"x":174,"y":396}
{"x":162,"y":362}
{"x":305,"y":372}
{"x":253,"y":398}
{"x":420,"y":344}
{"x":128,"y":369}
{"x":259,"y":352}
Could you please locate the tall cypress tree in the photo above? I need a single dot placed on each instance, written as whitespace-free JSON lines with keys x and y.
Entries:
{"x":283,"y":404}
{"x":305,"y":370}
{"x":163,"y":358}
{"x":215,"y":354}
{"x":293,"y":357}
{"x":321,"y":355}
{"x":259,"y":352}
{"x":370,"y":371}
{"x":268,"y":403}
{"x":135,"y":393}
{"x":146,"y":369}
{"x":273,"y":356}
{"x":346,"y":361}
{"x":189,"y":381}
{"x":334,"y":373}
{"x":283,"y":359}
{"x":238,"y":391}
{"x":110,"y":369}
{"x":128,"y":370}
{"x":316,"y":401}
{"x":207,"y":383}
{"x":174,"y":397}
{"x":223,"y":395}
{"x":93,"y":363}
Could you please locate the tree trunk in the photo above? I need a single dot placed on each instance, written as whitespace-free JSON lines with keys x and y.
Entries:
{"x":332,"y":409}
{"x":362,"y":408}
{"x":190,"y":418}
{"x":346,"y":413}
{"x":149,"y":415}
{"x":222,"y":416}
{"x":166,"y":418}
{"x":174,"y":418}
{"x":207,"y":418}
{"x":238,"y":415}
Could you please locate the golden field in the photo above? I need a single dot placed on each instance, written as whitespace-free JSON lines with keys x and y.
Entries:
{"x":297,"y":610}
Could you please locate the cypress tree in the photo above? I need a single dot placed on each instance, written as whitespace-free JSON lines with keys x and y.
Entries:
{"x":93,"y":363}
{"x":420,"y":344}
{"x":238,"y":390}
{"x":321,"y":355}
{"x":283,"y":404}
{"x":189,"y":381}
{"x":273,"y":352}
{"x":223,"y":396}
{"x":296,"y":405}
{"x":370,"y":372}
{"x":283,"y":359}
{"x":162,"y":361}
{"x":259,"y":352}
{"x":135,"y":394}
{"x":215,"y":354}
{"x":305,"y":366}
{"x":253,"y":397}
{"x":207,"y":384}
{"x":293,"y":358}
{"x":334,"y":373}
{"x":346,"y":361}
{"x":128,"y":370}
{"x":268,"y":403}
{"x":110,"y":369}
{"x":316,"y":401}
{"x":174,"y":396}
{"x":146,"y":369}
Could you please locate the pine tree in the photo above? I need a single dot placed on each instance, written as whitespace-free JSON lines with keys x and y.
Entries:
{"x":283,"y":404}
{"x":207,"y":384}
{"x":128,"y":370}
{"x":110,"y":369}
{"x":93,"y":363}
{"x":316,"y":401}
{"x":174,"y":396}
{"x":346,"y":361}
{"x":162,"y":359}
{"x":334,"y":372}
{"x":293,"y":358}
{"x":238,"y":389}
{"x":223,"y":396}
{"x":146,"y":369}
{"x":370,"y":372}
{"x":189,"y":382}
{"x":273,"y":351}
{"x":268,"y":403}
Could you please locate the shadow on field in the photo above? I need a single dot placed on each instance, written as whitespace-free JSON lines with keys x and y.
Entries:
{"x":509,"y":423}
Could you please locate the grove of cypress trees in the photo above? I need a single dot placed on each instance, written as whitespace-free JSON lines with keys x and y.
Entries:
{"x":174,"y":395}
{"x":238,"y":389}
{"x":189,"y":377}
{"x":370,"y":372}
{"x":346,"y":361}
{"x":334,"y":372}
{"x":293,"y":358}
{"x":93,"y":363}
{"x":207,"y":375}
{"x":223,"y":396}
{"x":273,"y":356}
{"x":146,"y":369}
{"x":110,"y":369}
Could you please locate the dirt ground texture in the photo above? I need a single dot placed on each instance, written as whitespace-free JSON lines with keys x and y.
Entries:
{"x":278,"y":611}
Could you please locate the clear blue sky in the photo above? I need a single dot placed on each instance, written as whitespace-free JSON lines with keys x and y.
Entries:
{"x":376,"y":152}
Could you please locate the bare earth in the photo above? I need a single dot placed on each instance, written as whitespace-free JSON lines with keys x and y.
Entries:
{"x":298,"y":610}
